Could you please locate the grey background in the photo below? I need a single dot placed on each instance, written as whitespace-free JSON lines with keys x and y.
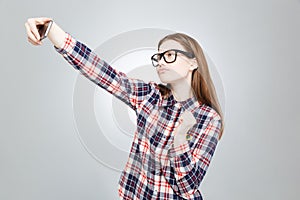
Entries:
{"x":254,"y":44}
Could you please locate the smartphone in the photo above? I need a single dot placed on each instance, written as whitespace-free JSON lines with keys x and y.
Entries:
{"x":44,"y":29}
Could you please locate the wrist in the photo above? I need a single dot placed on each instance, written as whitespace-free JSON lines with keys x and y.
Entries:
{"x":56,"y":35}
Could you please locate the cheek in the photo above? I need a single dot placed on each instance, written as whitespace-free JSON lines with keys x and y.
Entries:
{"x":181,"y":70}
{"x":182,"y":66}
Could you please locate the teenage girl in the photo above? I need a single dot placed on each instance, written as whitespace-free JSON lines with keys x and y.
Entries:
{"x":179,"y":123}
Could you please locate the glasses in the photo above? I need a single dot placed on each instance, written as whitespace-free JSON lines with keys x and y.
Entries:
{"x":169,"y":56}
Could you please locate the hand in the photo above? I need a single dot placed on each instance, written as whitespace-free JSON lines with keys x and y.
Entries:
{"x":187,"y":120}
{"x":33,"y":35}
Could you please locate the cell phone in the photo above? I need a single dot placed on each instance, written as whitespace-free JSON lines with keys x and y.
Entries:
{"x":44,"y":29}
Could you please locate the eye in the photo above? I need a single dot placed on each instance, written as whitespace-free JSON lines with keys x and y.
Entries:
{"x":156,"y":57}
{"x":169,"y":53}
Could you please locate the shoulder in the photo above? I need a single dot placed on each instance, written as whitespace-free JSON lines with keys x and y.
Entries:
{"x":205,"y":113}
{"x":149,"y":92}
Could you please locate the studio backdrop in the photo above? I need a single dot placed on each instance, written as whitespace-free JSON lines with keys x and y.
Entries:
{"x":62,"y":137}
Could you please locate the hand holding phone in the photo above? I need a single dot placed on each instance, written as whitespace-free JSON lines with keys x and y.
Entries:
{"x":44,"y":29}
{"x":39,"y":28}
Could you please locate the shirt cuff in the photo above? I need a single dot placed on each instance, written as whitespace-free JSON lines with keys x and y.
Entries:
{"x":68,"y":45}
{"x":181,"y":149}
{"x":180,"y":159}
{"x":176,"y":153}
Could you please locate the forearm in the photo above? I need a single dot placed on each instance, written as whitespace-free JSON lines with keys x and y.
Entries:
{"x":191,"y":160}
{"x":82,"y":58}
{"x":57,"y":35}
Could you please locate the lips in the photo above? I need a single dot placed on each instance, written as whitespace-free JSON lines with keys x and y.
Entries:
{"x":162,"y":70}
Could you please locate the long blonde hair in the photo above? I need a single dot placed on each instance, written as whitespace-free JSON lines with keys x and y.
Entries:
{"x":202,"y":83}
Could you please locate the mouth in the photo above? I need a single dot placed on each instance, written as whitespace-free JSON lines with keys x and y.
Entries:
{"x":162,"y":70}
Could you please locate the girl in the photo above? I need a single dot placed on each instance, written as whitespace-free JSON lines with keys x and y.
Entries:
{"x":179,"y":123}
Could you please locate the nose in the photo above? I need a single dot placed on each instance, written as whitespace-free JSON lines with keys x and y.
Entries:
{"x":161,"y":61}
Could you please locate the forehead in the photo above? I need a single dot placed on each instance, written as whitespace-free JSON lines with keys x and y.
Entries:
{"x":170,"y":44}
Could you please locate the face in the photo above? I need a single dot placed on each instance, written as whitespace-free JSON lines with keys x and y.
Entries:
{"x":177,"y":71}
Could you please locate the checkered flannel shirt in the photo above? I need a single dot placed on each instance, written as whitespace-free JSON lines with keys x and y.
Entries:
{"x":155,"y":169}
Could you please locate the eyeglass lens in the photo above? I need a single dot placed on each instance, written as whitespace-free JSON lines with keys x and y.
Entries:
{"x":169,"y":57}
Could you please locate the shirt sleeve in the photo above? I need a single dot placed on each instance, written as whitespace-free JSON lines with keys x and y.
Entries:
{"x":82,"y":58}
{"x":189,"y":163}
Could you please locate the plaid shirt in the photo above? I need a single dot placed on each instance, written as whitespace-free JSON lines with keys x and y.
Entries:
{"x":155,"y":169}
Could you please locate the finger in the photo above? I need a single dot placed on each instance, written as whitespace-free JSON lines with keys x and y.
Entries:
{"x":188,"y":117}
{"x":32,"y":25}
{"x":42,"y":20}
{"x":33,"y":42}
{"x":30,"y":34}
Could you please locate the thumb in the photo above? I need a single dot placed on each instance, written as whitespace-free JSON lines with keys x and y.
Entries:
{"x":43,"y":20}
{"x":180,"y":121}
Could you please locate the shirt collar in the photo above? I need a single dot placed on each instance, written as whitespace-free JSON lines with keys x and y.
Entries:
{"x":167,"y":101}
{"x":188,"y":104}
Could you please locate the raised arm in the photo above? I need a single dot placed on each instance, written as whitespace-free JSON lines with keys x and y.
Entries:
{"x":82,"y":58}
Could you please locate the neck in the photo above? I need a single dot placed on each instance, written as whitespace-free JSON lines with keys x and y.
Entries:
{"x":182,"y":90}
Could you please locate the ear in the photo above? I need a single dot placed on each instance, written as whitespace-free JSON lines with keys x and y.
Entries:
{"x":192,"y":68}
{"x":194,"y":64}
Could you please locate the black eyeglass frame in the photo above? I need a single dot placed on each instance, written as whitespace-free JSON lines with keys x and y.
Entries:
{"x":162,"y":55}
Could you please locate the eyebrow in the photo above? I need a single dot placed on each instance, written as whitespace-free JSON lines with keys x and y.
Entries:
{"x":169,"y":49}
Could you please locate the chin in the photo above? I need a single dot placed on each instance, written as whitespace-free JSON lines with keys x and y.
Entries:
{"x":165,"y":81}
